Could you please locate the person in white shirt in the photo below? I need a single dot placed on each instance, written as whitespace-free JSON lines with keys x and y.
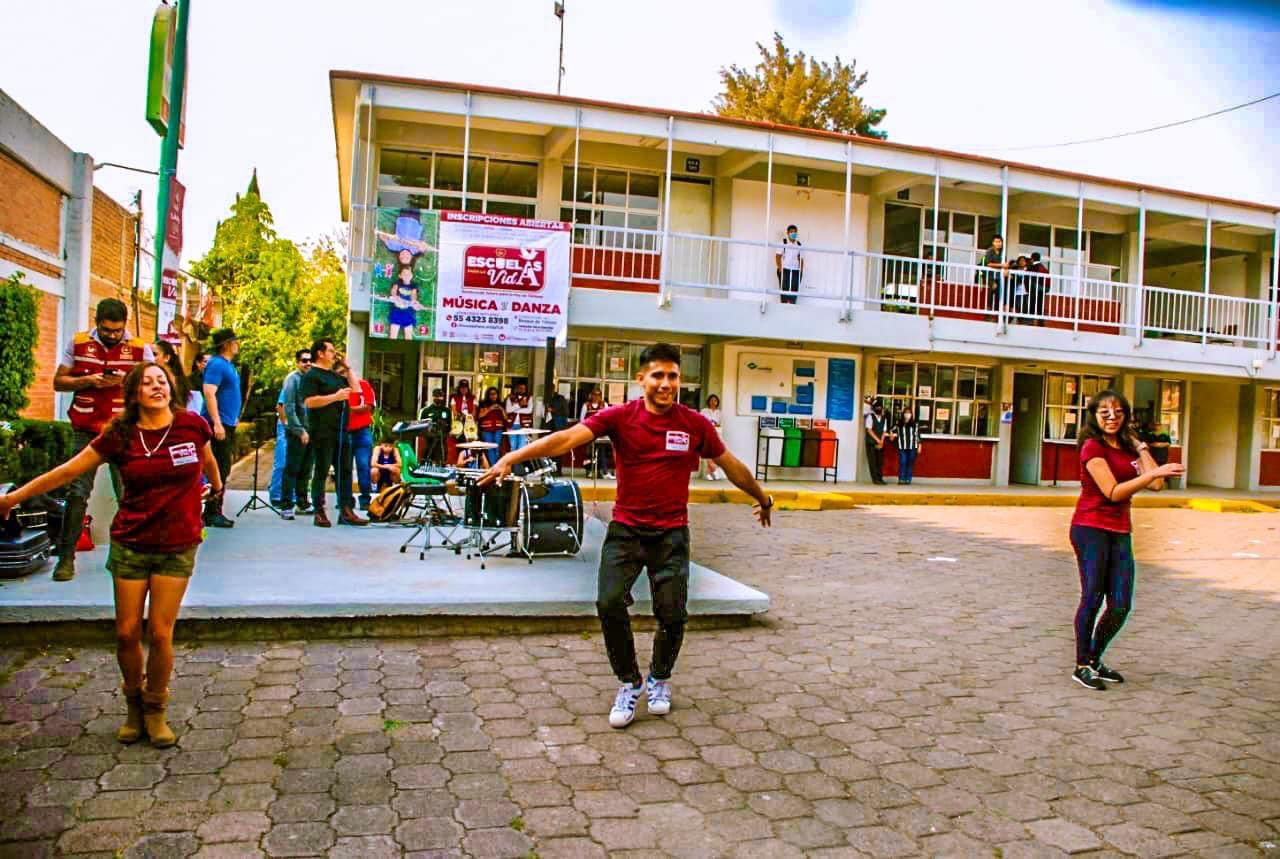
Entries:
{"x":712,"y":413}
{"x":519,"y":409}
{"x":790,"y":265}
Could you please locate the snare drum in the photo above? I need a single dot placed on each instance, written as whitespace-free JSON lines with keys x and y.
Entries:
{"x":492,"y":506}
{"x":551,"y":518}
{"x":534,"y":468}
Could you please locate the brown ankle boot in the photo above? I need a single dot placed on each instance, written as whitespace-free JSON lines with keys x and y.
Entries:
{"x":153,"y":707}
{"x":131,"y":730}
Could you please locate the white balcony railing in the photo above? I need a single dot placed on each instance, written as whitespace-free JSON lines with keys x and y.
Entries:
{"x":729,"y":268}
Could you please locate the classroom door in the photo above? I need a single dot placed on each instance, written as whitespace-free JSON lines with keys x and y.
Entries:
{"x":1028,"y":419}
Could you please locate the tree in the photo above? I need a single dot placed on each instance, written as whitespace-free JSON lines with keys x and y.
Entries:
{"x":278,"y":297}
{"x":237,"y":241}
{"x":19,"y":310}
{"x":794,"y":89}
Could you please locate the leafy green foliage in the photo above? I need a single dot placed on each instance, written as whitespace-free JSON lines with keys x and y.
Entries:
{"x":19,"y":311}
{"x":277,"y":296}
{"x":29,"y":448}
{"x":794,"y":89}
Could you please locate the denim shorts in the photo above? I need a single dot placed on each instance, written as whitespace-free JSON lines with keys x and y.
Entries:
{"x":126,"y":563}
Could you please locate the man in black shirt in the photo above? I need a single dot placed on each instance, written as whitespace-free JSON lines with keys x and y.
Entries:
{"x":325,"y":394}
{"x":440,"y":417}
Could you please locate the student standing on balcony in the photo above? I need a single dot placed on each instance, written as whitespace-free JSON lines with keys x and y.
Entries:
{"x":790,"y":264}
{"x":1115,"y":466}
{"x":993,"y":259}
{"x":1039,"y":286}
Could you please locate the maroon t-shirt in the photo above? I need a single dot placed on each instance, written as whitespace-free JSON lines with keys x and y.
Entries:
{"x":655,"y":454}
{"x":160,"y":508}
{"x":1093,"y":509}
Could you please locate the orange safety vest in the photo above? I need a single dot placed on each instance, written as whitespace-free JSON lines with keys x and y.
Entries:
{"x":93,"y":408}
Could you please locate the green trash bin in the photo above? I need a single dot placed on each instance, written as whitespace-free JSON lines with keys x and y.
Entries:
{"x":792,"y":442}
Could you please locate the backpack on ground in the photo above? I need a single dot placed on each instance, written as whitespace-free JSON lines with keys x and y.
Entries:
{"x":390,"y":504}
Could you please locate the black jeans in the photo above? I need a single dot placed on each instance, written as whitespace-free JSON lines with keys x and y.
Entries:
{"x":875,"y":461}
{"x":664,"y":553}
{"x":78,"y":492}
{"x":324,"y":452}
{"x":789,"y":280}
{"x":1106,"y":566}
{"x":224,"y":455}
{"x":299,"y":461}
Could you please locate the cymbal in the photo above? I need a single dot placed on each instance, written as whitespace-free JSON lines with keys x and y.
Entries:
{"x":477,"y":445}
{"x":529,"y":431}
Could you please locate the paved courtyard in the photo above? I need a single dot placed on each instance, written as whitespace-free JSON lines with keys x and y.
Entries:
{"x":907,"y":695}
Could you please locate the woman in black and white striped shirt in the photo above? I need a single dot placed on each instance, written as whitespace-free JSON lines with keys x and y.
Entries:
{"x":907,"y":433}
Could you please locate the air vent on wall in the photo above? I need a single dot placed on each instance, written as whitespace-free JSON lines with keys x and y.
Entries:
{"x":904,"y":194}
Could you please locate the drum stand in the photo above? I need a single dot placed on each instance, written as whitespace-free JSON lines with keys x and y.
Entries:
{"x":470,"y":533}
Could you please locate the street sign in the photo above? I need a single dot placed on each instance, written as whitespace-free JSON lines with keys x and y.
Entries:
{"x":160,"y":72}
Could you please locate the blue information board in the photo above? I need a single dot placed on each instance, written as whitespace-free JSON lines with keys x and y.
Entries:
{"x":840,"y":387}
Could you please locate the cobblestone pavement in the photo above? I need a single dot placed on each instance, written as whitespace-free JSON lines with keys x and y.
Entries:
{"x":907,"y":695}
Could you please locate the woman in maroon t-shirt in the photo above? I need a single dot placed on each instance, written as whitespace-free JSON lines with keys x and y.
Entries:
{"x":492,"y":421}
{"x":161,"y":450}
{"x":1114,"y":466}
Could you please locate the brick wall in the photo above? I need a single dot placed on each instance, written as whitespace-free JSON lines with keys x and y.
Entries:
{"x":30,"y":208}
{"x":40,"y":394}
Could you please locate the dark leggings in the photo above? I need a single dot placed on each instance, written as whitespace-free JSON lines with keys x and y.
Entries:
{"x":1106,"y":573}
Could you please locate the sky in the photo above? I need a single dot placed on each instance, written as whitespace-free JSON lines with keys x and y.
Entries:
{"x":985,"y":76}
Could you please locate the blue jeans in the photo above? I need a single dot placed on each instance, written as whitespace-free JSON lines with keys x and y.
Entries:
{"x":906,"y":464}
{"x":278,"y":460}
{"x":518,"y":441}
{"x":360,"y":445}
{"x":1106,"y":566}
{"x":495,"y":437}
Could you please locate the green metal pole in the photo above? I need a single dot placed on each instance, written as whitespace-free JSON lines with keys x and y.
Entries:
{"x":169,"y":148}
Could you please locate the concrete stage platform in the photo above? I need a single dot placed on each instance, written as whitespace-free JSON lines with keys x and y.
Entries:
{"x":267,"y":569}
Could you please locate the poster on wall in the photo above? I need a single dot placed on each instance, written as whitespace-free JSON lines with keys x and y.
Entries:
{"x":501,"y":279}
{"x":840,"y":382}
{"x":402,"y":290}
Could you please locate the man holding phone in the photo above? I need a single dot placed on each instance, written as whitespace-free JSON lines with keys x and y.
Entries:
{"x":93,"y":367}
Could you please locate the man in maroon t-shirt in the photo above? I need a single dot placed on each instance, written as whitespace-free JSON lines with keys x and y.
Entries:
{"x":657,"y":444}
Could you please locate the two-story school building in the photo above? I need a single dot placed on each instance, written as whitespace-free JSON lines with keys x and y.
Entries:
{"x":678,"y":220}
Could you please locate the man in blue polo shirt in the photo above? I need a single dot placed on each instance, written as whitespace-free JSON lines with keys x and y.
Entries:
{"x":222,"y":401}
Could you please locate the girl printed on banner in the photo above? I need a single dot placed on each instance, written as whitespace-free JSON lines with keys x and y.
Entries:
{"x":404,"y":305}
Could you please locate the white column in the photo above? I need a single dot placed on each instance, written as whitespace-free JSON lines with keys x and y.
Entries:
{"x":1141,"y":291}
{"x":768,"y":217}
{"x":1004,"y":228}
{"x":577,"y":143}
{"x":937,"y":210}
{"x":1275,"y":286}
{"x":1075,"y":323}
{"x":77,"y":239}
{"x":466,"y":149}
{"x":1208,"y":265}
{"x":848,"y":257}
{"x":664,"y":259}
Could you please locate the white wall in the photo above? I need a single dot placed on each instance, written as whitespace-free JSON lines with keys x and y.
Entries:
{"x":1211,"y":442}
{"x":1227,"y":277}
{"x":739,"y":428}
{"x":819,"y":215}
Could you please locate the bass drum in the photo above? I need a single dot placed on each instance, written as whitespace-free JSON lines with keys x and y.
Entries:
{"x":551,"y":518}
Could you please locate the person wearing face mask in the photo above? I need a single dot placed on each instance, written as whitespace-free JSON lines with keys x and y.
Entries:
{"x":92,"y":368}
{"x":878,"y":426}
{"x":790,"y":265}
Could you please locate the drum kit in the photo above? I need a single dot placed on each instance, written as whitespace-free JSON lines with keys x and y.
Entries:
{"x":530,"y":513}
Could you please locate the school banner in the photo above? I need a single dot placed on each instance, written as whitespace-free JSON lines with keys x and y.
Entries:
{"x":403,"y":287}
{"x":502,"y":279}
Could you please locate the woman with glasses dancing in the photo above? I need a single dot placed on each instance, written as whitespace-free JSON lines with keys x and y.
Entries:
{"x":1114,"y":466}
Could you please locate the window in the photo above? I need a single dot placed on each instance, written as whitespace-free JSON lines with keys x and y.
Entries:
{"x":385,"y":372}
{"x":954,"y":241}
{"x":482,"y":365}
{"x":1271,"y":419}
{"x":611,"y":366}
{"x":948,"y":399}
{"x":1057,"y":246}
{"x":426,"y":180}
{"x":619,"y":199}
{"x":1067,"y":397}
{"x":1159,"y":401}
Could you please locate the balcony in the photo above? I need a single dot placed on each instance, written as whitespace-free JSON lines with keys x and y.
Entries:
{"x":839,"y":285}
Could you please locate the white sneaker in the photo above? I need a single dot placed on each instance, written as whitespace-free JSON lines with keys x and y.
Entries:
{"x":624,"y":705}
{"x":658,"y":694}
{"x":286,"y":513}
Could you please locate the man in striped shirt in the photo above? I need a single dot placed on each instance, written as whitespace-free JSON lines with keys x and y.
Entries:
{"x":907,"y":434}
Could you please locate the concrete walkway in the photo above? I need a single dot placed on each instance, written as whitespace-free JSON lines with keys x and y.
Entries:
{"x":267,"y":568}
